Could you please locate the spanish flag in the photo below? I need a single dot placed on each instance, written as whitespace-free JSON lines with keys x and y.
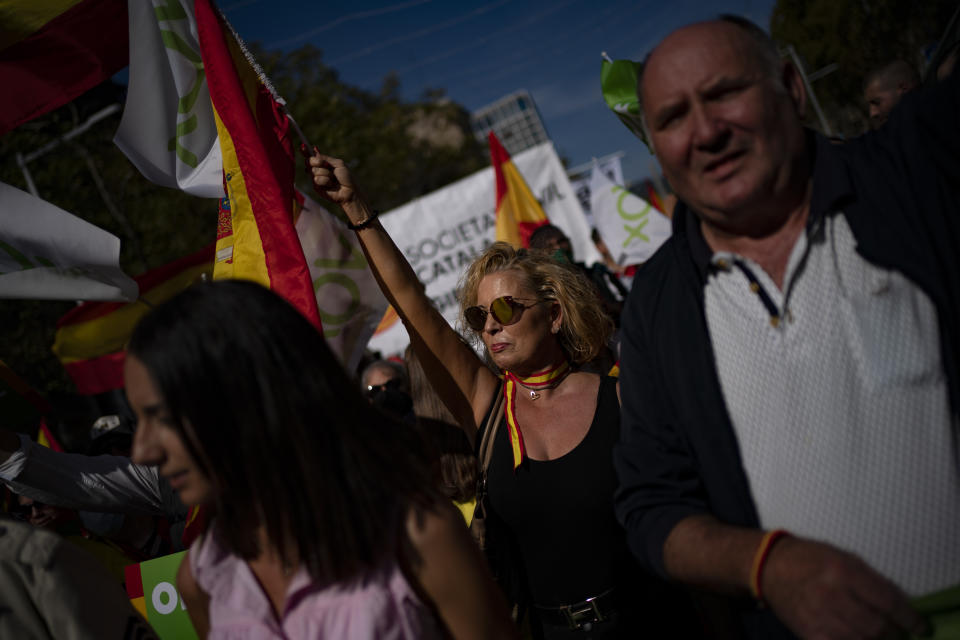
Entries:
{"x":51,"y":51}
{"x":91,"y":337}
{"x":518,"y":212}
{"x":256,"y":238}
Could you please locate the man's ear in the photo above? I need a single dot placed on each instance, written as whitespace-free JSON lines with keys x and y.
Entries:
{"x":793,"y":83}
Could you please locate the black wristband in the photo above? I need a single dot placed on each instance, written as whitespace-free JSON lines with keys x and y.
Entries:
{"x":366,"y":223}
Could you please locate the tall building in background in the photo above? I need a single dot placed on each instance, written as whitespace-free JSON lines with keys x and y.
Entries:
{"x":515,"y":119}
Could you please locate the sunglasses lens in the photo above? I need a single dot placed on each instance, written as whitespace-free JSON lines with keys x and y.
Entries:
{"x":392,"y":384}
{"x":476,"y":318}
{"x":503,"y":309}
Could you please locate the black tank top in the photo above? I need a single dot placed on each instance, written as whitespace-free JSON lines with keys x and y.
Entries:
{"x":560,"y":512}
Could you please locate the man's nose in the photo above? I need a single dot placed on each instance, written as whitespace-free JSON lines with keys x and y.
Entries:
{"x":710,"y":133}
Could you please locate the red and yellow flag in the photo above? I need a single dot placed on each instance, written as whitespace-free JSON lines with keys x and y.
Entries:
{"x":51,"y":51}
{"x":518,"y":212}
{"x":45,"y":438}
{"x":256,"y":239}
{"x":91,"y":337}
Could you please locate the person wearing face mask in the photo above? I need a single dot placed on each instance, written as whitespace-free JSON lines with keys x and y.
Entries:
{"x":550,"y":481}
{"x":610,"y":291}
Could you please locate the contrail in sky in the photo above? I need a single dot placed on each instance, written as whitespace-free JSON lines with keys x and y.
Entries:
{"x":347,"y":18}
{"x":417,"y":34}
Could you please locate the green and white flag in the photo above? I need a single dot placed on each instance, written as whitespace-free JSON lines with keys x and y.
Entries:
{"x":632,"y":229}
{"x":168,"y":129}
{"x":49,"y":254}
{"x":348,"y":297}
{"x":618,"y":81}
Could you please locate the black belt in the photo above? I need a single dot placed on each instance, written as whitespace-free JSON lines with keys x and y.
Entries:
{"x":575,"y":616}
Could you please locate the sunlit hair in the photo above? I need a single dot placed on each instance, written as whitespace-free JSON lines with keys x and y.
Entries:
{"x":584,"y":328}
{"x":280,"y":429}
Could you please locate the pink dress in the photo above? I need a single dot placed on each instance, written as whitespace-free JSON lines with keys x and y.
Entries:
{"x":381,"y":606}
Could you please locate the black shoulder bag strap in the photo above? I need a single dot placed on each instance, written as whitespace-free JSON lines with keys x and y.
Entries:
{"x":484,"y":454}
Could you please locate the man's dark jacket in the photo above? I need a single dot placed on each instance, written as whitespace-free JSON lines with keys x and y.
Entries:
{"x":899,"y":189}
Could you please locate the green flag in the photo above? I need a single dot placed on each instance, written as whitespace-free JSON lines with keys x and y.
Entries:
{"x":942,"y":611}
{"x":618,"y":81}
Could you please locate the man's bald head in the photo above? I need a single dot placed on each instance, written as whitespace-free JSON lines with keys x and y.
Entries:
{"x":765,"y":48}
{"x":884,"y":86}
{"x":724,"y":117}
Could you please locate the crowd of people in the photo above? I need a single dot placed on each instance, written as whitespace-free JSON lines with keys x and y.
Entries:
{"x":778,"y":457}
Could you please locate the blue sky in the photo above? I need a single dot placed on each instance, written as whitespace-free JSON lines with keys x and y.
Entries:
{"x":481,"y":51}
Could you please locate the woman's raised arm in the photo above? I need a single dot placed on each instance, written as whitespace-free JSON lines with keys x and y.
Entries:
{"x":461,"y":379}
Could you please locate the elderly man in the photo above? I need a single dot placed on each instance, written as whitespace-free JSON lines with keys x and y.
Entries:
{"x":790,"y":355}
{"x":885,"y":86}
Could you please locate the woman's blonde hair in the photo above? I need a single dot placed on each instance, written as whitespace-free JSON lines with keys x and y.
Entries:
{"x":584,"y":328}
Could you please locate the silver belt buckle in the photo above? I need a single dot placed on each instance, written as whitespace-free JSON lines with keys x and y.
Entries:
{"x":579,"y":615}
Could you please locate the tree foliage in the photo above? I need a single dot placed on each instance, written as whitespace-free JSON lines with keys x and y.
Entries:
{"x":858,"y":36}
{"x":372,"y":130}
{"x":378,"y":133}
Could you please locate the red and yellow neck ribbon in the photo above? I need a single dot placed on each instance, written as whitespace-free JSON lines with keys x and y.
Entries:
{"x":543,"y":380}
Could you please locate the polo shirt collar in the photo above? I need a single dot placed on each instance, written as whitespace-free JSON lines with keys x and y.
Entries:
{"x":831,"y":189}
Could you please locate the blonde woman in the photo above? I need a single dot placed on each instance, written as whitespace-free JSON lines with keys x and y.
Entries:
{"x":551,"y":479}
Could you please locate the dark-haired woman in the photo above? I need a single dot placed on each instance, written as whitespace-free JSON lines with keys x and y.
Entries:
{"x":324,"y":525}
{"x":551,"y":479}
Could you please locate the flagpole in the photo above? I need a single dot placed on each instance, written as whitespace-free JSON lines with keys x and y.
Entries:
{"x":297,"y":129}
{"x":264,"y":78}
{"x":24,"y":160}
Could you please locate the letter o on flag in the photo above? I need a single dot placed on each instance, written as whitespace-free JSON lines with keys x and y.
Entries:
{"x":328,"y":317}
{"x":164,"y":608}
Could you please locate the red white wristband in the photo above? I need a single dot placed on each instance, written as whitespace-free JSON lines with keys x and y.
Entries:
{"x":760,"y":559}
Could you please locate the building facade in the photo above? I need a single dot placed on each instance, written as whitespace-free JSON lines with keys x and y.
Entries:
{"x":514,"y":119}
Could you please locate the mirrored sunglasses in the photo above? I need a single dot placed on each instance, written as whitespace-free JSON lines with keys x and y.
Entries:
{"x":506,"y":310}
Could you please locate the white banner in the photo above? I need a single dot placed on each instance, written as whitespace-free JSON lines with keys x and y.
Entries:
{"x":630,"y":227}
{"x":610,"y":166}
{"x":441,"y":233}
{"x":348,"y":296}
{"x":168,"y":129}
{"x":49,"y":254}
